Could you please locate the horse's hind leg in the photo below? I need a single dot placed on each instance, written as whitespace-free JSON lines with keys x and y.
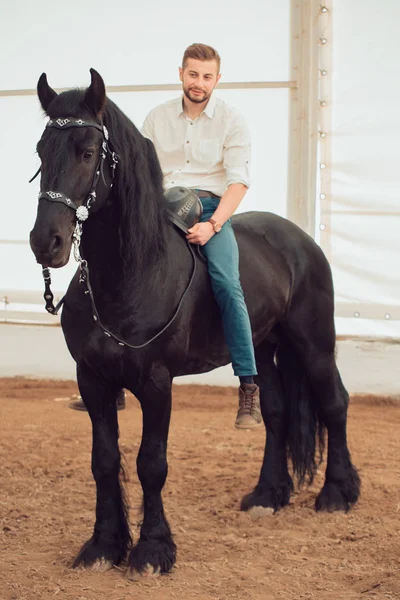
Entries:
{"x":342,"y":484}
{"x":111,"y":538}
{"x":312,"y":333}
{"x":275,"y":484}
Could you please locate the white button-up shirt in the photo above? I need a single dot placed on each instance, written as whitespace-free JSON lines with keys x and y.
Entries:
{"x":209,"y":153}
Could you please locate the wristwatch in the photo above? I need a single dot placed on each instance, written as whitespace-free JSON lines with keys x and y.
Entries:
{"x":216,"y":226}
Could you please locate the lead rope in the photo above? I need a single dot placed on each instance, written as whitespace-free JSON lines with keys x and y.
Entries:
{"x":48,"y":294}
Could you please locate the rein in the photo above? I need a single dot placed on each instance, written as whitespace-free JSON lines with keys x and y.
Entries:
{"x":82,"y":214}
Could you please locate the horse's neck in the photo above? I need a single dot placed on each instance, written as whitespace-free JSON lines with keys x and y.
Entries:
{"x":101,"y":249}
{"x":161,"y":284}
{"x":109,"y":275}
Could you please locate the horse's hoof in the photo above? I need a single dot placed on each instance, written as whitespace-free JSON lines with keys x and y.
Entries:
{"x":150,"y":558}
{"x":331,"y":499}
{"x":260,"y":512}
{"x":147,"y":572}
{"x":102,"y":565}
{"x":99,"y":556}
{"x":271,"y":499}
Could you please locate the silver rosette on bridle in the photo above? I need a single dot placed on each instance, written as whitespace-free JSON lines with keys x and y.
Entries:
{"x":82,"y":213}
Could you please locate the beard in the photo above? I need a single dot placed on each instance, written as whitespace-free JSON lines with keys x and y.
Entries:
{"x":197,"y":99}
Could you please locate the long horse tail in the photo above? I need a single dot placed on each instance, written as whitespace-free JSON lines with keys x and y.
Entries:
{"x":305,"y":429}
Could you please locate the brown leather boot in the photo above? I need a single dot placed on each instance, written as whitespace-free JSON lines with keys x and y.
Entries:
{"x":249,"y":413}
{"x":80,"y":405}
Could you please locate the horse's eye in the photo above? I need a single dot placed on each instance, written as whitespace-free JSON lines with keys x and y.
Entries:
{"x":88,"y":154}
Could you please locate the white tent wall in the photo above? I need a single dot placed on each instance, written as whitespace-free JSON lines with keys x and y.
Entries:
{"x":360,"y":184}
{"x":131,"y":42}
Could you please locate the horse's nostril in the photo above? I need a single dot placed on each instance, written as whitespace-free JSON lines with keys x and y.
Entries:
{"x":56,"y":244}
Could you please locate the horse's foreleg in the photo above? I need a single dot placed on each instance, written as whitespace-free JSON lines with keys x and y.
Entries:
{"x":111,"y":538}
{"x":274,"y":487}
{"x":155,"y":551}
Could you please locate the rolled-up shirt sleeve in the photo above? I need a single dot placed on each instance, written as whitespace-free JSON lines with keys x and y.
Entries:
{"x":237,"y":151}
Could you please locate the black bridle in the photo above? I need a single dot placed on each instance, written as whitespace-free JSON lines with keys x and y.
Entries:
{"x":82,"y":211}
{"x":82,"y":214}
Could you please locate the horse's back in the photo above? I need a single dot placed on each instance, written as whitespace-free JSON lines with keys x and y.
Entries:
{"x":277,"y":260}
{"x":284,"y":241}
{"x":279,"y":233}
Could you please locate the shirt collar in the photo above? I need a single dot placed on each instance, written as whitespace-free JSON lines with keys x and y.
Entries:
{"x":209,"y":109}
{"x":179,"y":106}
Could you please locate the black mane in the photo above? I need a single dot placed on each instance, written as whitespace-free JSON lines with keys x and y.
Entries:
{"x":139,"y":189}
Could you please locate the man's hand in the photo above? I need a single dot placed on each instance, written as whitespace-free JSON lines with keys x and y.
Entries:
{"x":200,"y":233}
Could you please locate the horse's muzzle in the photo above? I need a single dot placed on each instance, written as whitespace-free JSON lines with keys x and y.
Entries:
{"x":52,"y":254}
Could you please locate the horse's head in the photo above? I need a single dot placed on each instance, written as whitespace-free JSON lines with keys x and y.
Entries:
{"x":75,"y":175}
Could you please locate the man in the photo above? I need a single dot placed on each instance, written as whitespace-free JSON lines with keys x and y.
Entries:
{"x":204,"y":144}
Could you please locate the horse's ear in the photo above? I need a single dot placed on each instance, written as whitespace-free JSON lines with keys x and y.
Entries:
{"x":45,"y":92}
{"x":95,"y":97}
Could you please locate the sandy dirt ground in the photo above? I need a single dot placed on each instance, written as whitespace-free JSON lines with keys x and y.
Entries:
{"x":47,"y":500}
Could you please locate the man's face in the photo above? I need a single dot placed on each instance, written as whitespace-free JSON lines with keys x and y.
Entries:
{"x":199,"y":78}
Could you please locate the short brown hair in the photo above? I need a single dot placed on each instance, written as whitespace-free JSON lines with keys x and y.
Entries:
{"x":201,"y":52}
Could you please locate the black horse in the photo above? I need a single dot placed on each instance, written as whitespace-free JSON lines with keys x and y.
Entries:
{"x":140,"y":266}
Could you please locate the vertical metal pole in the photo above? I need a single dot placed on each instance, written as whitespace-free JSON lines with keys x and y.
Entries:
{"x":303,"y":114}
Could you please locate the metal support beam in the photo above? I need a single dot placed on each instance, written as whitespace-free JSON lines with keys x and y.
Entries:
{"x":303,"y":114}
{"x":166,"y":87}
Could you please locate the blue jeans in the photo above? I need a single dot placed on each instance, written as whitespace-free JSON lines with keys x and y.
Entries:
{"x":222,"y":255}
